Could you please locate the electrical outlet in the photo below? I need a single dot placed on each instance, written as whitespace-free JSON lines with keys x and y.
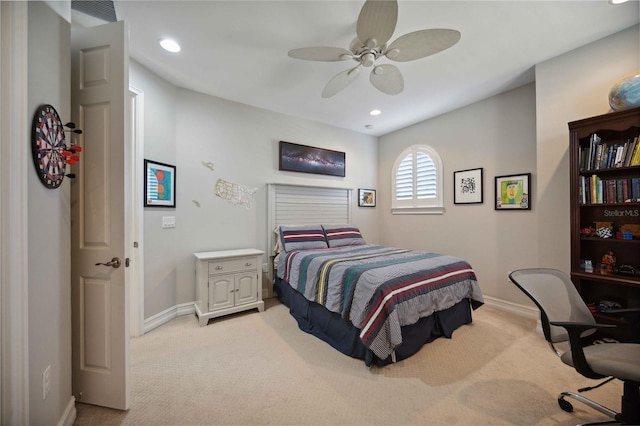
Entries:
{"x":46,"y":381}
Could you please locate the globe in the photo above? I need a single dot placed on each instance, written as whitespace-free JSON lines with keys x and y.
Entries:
{"x":626,"y":92}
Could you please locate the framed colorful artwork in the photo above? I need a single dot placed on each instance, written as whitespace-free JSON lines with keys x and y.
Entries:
{"x":467,"y":186}
{"x":308,"y":159}
{"x":513,"y":192}
{"x":366,"y":197}
{"x":159,"y":184}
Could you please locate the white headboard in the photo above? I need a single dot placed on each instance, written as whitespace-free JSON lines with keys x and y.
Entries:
{"x":305,"y":205}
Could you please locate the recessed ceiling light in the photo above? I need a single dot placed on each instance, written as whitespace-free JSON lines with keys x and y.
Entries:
{"x":170,"y":45}
{"x":375,"y":112}
{"x":617,"y":1}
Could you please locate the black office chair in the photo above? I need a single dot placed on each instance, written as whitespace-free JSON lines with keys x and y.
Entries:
{"x":565,"y":317}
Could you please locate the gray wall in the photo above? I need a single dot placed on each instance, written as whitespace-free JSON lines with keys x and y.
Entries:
{"x":49,"y":250}
{"x":498,"y":135}
{"x":159,"y":145}
{"x":186,"y":128}
{"x":521,"y":131}
{"x":571,"y":87}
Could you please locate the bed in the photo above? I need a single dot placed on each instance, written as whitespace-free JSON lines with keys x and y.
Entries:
{"x":380,"y":304}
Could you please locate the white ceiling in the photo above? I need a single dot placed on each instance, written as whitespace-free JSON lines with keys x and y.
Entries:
{"x":237,"y":50}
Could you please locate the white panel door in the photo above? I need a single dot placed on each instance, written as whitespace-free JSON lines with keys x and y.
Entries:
{"x":246,"y":288}
{"x":98,"y":217}
{"x":220,"y":292}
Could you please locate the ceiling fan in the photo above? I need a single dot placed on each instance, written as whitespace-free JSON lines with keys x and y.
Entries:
{"x":376,"y":24}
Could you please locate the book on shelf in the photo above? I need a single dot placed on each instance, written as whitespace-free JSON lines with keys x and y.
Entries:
{"x":601,"y":155}
{"x":635,"y":188}
{"x":631,"y":151}
{"x":635,"y":156}
{"x":593,"y":190}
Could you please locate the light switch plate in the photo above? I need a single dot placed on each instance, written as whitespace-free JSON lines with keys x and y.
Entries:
{"x":168,"y":222}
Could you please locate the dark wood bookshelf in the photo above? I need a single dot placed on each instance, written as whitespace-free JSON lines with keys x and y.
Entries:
{"x":612,"y":128}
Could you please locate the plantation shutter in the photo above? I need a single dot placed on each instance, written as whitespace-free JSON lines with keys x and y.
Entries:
{"x":417,"y":182}
{"x":404,"y":179}
{"x":426,"y":177}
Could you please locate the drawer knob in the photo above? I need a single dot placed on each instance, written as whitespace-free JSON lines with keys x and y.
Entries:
{"x":218,"y":268}
{"x":248,"y":264}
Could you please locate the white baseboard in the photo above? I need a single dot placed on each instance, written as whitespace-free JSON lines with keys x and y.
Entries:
{"x":69,"y":415}
{"x":515,"y":308}
{"x":167,"y":315}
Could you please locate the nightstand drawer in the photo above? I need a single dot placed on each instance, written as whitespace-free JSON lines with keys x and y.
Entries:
{"x":232,"y":265}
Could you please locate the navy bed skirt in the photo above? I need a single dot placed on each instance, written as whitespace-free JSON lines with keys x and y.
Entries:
{"x":329,"y":326}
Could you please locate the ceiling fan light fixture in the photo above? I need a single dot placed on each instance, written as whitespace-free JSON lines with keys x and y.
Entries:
{"x":367,"y":59}
{"x":170,"y":45}
{"x":614,"y":2}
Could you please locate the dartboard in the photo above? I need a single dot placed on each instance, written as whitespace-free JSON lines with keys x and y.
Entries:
{"x":47,"y":146}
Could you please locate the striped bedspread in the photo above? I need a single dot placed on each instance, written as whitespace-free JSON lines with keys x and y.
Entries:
{"x":380,"y":289}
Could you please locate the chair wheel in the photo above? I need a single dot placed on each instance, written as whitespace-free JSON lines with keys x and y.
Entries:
{"x":565,"y":405}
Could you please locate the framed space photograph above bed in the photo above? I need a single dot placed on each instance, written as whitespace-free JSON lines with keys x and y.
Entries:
{"x":309,"y":159}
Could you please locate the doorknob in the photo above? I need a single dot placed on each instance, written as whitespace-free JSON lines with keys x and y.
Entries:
{"x":114,"y":263}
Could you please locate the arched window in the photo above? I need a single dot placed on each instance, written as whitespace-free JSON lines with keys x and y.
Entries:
{"x":417,"y":182}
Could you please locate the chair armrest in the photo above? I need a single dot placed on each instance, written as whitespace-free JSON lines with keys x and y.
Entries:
{"x":579,"y":327}
{"x":575,"y":329}
{"x":623,"y":311}
{"x":632,"y":317}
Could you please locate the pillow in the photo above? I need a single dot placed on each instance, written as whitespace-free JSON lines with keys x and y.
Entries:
{"x":343,"y":235}
{"x":278,"y":247}
{"x":302,"y":237}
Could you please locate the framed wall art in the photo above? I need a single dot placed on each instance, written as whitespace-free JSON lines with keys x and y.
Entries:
{"x":159,"y":184}
{"x":366,"y":197}
{"x":307,"y":159}
{"x":513,"y":192}
{"x":468,"y":186}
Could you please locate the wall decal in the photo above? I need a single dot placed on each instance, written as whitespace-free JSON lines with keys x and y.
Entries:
{"x":208,"y":165}
{"x":234,"y":193}
{"x":196,"y":203}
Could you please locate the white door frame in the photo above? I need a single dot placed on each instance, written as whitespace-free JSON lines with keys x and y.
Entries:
{"x":136,"y":293}
{"x":14,"y":165}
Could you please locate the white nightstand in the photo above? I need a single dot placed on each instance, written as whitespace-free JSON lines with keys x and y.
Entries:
{"x":227,"y":281}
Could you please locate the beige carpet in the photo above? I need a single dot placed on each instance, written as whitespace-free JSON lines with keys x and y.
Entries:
{"x":259,"y":368}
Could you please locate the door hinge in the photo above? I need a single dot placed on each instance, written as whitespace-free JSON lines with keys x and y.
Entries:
{"x":127,"y":262}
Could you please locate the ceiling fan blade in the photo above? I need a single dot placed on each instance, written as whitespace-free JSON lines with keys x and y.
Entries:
{"x":325,"y":54}
{"x":377,"y":22}
{"x":387,"y":79}
{"x":340,"y":81}
{"x":419,"y":44}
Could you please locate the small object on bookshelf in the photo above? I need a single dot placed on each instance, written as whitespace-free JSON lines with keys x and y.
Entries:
{"x":588,"y":266}
{"x":627,"y":270}
{"x":586,"y":232}
{"x":608,"y":262}
{"x":603,"y":232}
{"x":631,"y":228}
{"x":608,"y":305}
